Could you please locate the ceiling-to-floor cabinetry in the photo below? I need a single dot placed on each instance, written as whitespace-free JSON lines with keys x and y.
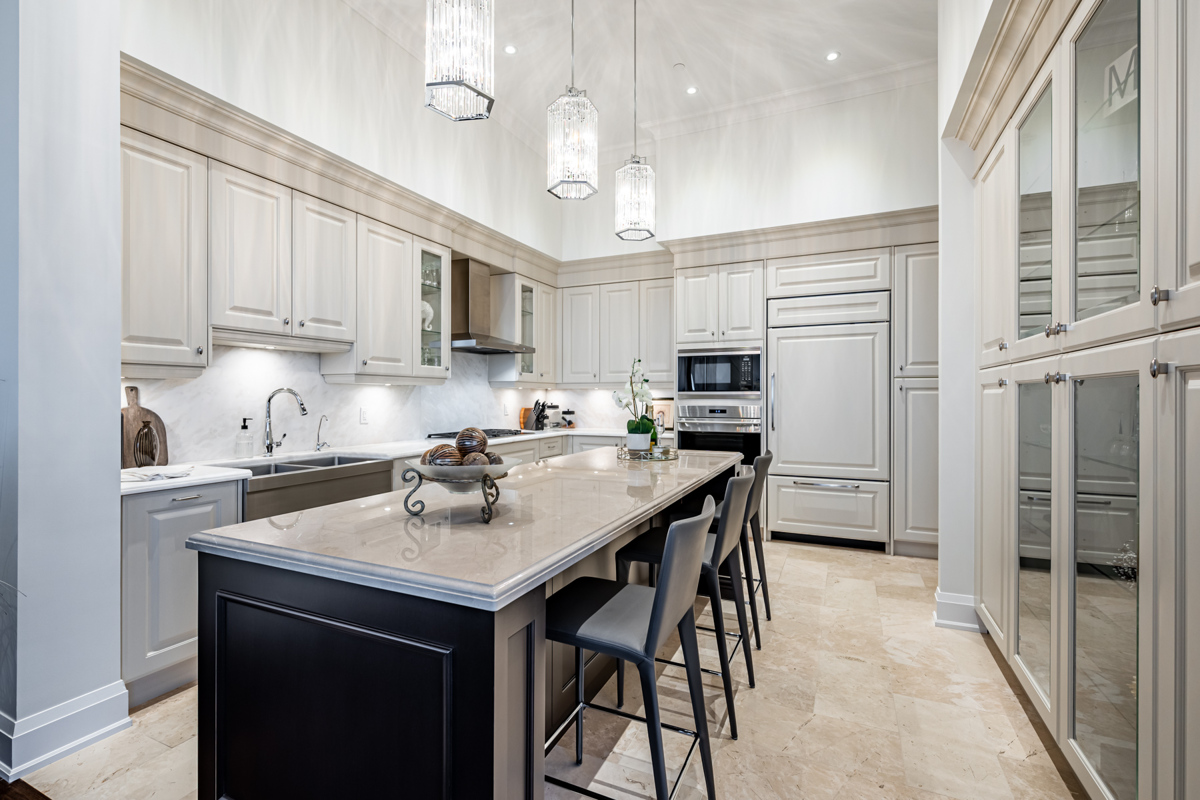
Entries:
{"x":164,"y":259}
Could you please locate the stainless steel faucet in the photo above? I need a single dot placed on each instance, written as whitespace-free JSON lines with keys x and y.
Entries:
{"x":321,"y":445}
{"x":271,"y":444}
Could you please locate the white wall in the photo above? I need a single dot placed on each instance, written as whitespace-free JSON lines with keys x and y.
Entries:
{"x":319,"y":70}
{"x":59,"y":357}
{"x":864,"y":155}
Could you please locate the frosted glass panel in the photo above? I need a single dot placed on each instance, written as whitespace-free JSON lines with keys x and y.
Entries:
{"x":1034,"y":154}
{"x":527,"y":328}
{"x":1107,"y":141}
{"x":431,"y":309}
{"x":1033,"y":531}
{"x":1105,"y":596}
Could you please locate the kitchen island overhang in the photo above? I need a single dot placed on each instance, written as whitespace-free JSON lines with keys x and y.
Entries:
{"x":355,"y":648}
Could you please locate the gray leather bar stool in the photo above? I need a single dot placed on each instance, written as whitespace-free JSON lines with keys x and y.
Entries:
{"x":753,"y":532}
{"x":631,"y":623}
{"x":721,"y":548}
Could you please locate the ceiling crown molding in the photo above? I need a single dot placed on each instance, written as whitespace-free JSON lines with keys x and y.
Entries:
{"x":163,"y":106}
{"x":640,"y":266}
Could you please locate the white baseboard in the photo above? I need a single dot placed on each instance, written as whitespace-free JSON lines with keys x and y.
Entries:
{"x":38,"y":739}
{"x":957,"y":611}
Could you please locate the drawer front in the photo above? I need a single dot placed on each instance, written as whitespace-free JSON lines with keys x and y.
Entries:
{"x":829,"y":309}
{"x":841,"y":509}
{"x":517,"y":452}
{"x":550,"y":447}
{"x":829,"y":273}
{"x":582,"y":443}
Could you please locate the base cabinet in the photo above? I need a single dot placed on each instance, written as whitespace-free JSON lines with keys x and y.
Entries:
{"x":158,"y":582}
{"x":915,"y":461}
{"x":858,"y":510}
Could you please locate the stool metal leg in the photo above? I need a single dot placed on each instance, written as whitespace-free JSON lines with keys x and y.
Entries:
{"x":745,"y":549}
{"x":579,"y":701}
{"x":691,"y":657}
{"x":739,"y":601}
{"x":654,"y":728}
{"x":756,"y":529}
{"x":620,"y":683}
{"x":713,"y":584}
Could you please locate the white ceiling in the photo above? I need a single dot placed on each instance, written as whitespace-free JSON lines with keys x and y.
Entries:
{"x":747,"y":58}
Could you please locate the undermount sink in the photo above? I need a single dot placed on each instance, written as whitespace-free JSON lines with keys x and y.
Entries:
{"x":281,"y":487}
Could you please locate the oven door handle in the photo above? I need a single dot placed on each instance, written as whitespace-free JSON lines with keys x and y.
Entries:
{"x":772,"y":401}
{"x":718,"y":426}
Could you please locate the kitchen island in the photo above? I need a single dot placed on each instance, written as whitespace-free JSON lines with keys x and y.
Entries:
{"x":355,"y":650}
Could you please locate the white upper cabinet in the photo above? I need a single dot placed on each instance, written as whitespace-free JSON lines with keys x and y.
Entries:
{"x":619,"y":346}
{"x":696,"y":305}
{"x":430,"y":321}
{"x":384,"y":346}
{"x":250,"y":253}
{"x":580,"y":356}
{"x":996,"y":236}
{"x":830,"y":273}
{"x":916,"y":301}
{"x":657,"y":348}
{"x":516,"y":316}
{"x":164,"y":258}
{"x":324,"y":270}
{"x":547,"y":335}
{"x":740,"y":309}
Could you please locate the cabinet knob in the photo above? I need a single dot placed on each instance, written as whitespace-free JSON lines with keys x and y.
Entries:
{"x":1158,"y":295}
{"x":200,"y":350}
{"x":712,"y":333}
{"x":447,"y":368}
{"x":364,"y":362}
{"x":902,"y":368}
{"x":287,"y":320}
{"x":301,"y":323}
{"x":1158,"y":368}
{"x":1003,"y":345}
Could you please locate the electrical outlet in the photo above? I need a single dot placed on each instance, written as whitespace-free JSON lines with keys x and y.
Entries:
{"x":362,"y":416}
{"x":506,"y":409}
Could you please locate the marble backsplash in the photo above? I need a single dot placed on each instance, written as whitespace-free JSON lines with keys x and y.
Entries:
{"x":203,"y":415}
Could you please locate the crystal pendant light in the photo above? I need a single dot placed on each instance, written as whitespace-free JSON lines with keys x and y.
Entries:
{"x":635,"y":180}
{"x":459,"y":69}
{"x":572,"y":140}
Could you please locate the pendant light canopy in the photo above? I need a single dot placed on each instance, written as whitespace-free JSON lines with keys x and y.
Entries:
{"x":572,"y":140}
{"x":459,"y":69}
{"x":635,"y":180}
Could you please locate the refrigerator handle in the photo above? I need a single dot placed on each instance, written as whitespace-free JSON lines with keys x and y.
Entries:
{"x":772,"y":401}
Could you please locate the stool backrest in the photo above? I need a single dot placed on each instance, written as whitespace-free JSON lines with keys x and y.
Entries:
{"x":761,"y":465}
{"x":733,"y":516}
{"x":678,"y":575}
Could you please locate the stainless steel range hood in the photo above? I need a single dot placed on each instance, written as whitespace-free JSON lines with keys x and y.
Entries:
{"x":471,"y":311}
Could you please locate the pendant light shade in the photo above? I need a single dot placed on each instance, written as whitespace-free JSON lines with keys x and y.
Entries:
{"x":459,"y":68}
{"x":635,"y":200}
{"x":635,"y":180}
{"x":572,"y":140}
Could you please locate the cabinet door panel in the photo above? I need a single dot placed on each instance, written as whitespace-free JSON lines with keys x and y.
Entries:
{"x":830,"y":273}
{"x":250,"y":236}
{"x":164,"y":264}
{"x":857,"y":510}
{"x":817,"y":432}
{"x":696,"y":305}
{"x":324,"y":270}
{"x":1179,"y":203}
{"x":159,"y":578}
{"x":996,"y":229}
{"x":992,"y":507}
{"x":580,"y":357}
{"x":740,"y":302}
{"x":547,"y":338}
{"x":618,"y":330}
{"x":385,"y":292}
{"x":915,"y":472}
{"x":916,"y":329}
{"x":830,"y":309}
{"x":656,"y":342}
{"x":430,"y":319}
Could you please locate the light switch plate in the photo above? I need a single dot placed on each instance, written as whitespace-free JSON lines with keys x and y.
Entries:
{"x":362,"y":416}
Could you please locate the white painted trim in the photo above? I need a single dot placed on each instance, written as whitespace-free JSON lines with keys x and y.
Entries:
{"x":957,"y":611}
{"x":40,"y":738}
{"x":644,"y":266}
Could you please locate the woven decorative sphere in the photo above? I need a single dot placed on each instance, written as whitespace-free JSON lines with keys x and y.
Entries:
{"x":444,"y":455}
{"x":493,"y":458}
{"x":471,"y":440}
{"x":475,"y":460}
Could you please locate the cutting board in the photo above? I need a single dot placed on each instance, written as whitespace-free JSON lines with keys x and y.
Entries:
{"x":132,"y":417}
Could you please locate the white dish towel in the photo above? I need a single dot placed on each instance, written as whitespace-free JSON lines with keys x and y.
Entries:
{"x":154,"y":474}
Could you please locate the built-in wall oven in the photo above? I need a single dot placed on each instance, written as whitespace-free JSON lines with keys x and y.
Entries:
{"x":718,"y":401}
{"x":726,"y":427}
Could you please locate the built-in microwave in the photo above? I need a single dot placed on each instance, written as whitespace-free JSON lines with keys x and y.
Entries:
{"x":727,"y":373}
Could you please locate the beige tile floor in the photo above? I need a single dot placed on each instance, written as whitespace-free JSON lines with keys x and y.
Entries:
{"x":858,"y":695}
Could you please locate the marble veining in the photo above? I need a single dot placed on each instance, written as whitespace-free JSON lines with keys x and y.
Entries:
{"x":550,"y":515}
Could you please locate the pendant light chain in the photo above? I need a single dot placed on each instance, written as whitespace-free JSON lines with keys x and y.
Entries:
{"x":634,"y":74}
{"x":572,"y":42}
{"x":635,"y":181}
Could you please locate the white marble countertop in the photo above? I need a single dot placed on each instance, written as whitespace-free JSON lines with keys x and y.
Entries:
{"x":203,"y":472}
{"x":550,"y":515}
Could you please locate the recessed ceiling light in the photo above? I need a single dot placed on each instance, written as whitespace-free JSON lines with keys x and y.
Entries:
{"x":511,"y":49}
{"x":833,"y":56}
{"x":692,"y":90}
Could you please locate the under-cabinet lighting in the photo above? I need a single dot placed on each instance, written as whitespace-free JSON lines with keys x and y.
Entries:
{"x":510,"y":49}
{"x":833,"y":56}
{"x":692,"y":90}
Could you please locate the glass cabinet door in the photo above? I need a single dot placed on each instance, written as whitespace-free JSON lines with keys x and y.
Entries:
{"x":527,"y":301}
{"x":1035,"y":148}
{"x":432,"y":314}
{"x":1035,"y":551}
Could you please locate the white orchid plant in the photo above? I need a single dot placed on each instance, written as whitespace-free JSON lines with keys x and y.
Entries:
{"x":636,"y":400}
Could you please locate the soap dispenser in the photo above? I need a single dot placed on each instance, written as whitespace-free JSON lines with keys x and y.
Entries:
{"x":243,"y":444}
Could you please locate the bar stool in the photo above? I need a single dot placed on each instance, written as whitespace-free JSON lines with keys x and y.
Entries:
{"x":630,"y":623}
{"x":753,"y":531}
{"x":720,"y":548}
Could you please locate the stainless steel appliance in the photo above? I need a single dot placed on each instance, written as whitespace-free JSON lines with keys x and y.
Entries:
{"x":471,"y":311}
{"x":725,"y":373}
{"x":722,"y":426}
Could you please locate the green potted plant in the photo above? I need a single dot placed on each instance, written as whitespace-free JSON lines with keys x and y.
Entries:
{"x":636,"y":400}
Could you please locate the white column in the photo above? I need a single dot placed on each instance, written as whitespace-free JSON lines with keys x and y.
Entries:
{"x":60,"y":306}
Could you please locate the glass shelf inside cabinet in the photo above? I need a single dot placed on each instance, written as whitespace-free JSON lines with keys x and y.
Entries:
{"x":432,"y":265}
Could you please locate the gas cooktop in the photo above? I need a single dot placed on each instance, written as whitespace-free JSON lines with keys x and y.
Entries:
{"x":491,"y":433}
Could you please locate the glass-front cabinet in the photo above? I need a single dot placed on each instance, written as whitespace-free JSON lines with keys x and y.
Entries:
{"x":431,"y":273}
{"x":524,"y":311}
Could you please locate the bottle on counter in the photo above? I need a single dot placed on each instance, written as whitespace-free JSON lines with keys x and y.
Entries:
{"x":243,"y":443}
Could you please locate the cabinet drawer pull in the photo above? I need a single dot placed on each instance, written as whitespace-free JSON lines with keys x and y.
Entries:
{"x":189,"y":497}
{"x":828,"y":485}
{"x":1093,"y":502}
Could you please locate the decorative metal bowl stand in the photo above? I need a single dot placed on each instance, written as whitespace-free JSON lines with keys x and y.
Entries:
{"x":491,"y":492}
{"x":667,"y":454}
